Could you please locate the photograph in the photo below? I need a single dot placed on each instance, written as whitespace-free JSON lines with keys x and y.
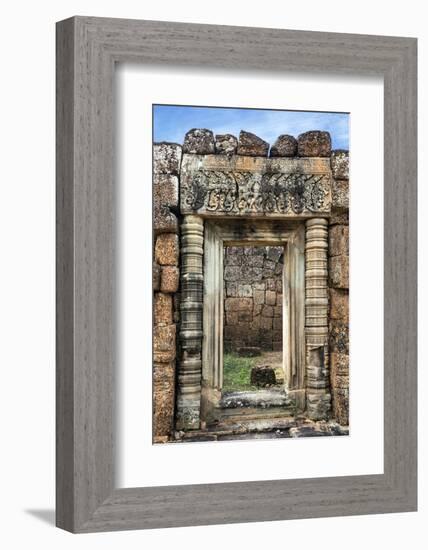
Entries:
{"x":250,"y":273}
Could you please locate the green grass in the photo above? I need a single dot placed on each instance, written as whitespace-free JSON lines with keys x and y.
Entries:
{"x":237,"y":372}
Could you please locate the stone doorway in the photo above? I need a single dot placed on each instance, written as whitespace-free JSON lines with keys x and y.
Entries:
{"x":253,"y":333}
{"x":253,"y":315}
{"x":253,"y":311}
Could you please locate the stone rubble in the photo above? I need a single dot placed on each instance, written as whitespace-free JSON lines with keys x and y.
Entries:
{"x":250,"y":145}
{"x":226,"y":144}
{"x":314,"y":144}
{"x":199,"y":141}
{"x":284,"y":146}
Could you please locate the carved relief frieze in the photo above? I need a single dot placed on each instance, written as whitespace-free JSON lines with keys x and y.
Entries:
{"x":268,"y":187}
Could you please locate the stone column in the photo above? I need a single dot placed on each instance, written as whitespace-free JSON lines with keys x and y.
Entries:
{"x":318,"y":399}
{"x":190,"y":364}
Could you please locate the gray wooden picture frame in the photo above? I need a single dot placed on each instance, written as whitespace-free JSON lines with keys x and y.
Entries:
{"x":87,"y":50}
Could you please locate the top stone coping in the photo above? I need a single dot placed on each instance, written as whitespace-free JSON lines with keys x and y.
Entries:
{"x":201,"y":141}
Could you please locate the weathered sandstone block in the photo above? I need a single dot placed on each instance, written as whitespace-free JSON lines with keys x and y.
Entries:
{"x":318,"y":404}
{"x":231,"y":289}
{"x":266,"y":324}
{"x":339,"y":216}
{"x":267,"y":311}
{"x":284,"y":146}
{"x":156,"y":276}
{"x":163,"y":372}
{"x":341,"y":382}
{"x":340,"y":164}
{"x":314,"y":144}
{"x":235,"y":250}
{"x":170,"y":278}
{"x":338,"y":240}
{"x":166,"y":158}
{"x":259,"y":296}
{"x":167,"y":249}
{"x":164,"y":343}
{"x":270,"y":297}
{"x":255,"y":274}
{"x":199,"y":141}
{"x":278,"y":268}
{"x":274,"y":253}
{"x":164,"y":221}
{"x":339,"y":366}
{"x":277,"y":310}
{"x":268,"y":267}
{"x":163,"y":397}
{"x":257,"y":309}
{"x":165,"y":190}
{"x":232,"y":273}
{"x":270,"y":284}
{"x":277,"y":323}
{"x":255,"y":261}
{"x":245,"y":316}
{"x":339,"y":304}
{"x":238,"y":304}
{"x":244,"y":291}
{"x":251,"y":145}
{"x":233,"y":260}
{"x":338,"y":271}
{"x":262,"y":376}
{"x":340,"y":194}
{"x":163,"y":309}
{"x":231,"y":317}
{"x":259,"y":286}
{"x":277,"y":333}
{"x":339,"y":337}
{"x":341,"y":405}
{"x":226,"y":144}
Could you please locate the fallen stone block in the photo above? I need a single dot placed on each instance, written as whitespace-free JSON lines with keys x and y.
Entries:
{"x":263,"y":376}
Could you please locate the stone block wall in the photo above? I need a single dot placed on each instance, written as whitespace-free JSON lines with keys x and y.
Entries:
{"x":253,"y":298}
{"x":252,"y":280}
{"x":166,"y":276}
{"x":338,"y":252}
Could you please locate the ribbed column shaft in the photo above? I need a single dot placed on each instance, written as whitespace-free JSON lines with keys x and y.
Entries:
{"x":316,"y":319}
{"x":190,"y":363}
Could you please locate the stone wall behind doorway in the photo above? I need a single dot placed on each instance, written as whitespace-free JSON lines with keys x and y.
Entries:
{"x":253,"y":298}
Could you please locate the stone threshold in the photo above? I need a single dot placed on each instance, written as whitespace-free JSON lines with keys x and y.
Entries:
{"x":267,"y":428}
{"x":265,"y":398}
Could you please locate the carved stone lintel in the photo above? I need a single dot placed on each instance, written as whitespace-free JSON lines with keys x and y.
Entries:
{"x":318,"y":401}
{"x":242,"y":186}
{"x":190,"y":364}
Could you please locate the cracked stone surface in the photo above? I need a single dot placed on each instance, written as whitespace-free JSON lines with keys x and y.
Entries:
{"x":284,"y":146}
{"x":251,"y":145}
{"x":273,"y":397}
{"x":277,"y":428}
{"x":199,"y":141}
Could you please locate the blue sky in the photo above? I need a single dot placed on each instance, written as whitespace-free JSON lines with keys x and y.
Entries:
{"x":171,"y":122}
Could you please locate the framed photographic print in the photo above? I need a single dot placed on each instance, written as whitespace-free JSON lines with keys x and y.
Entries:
{"x":236,"y":274}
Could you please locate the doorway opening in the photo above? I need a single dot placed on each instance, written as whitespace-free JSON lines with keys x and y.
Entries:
{"x":253,"y":330}
{"x":253,"y":353}
{"x":253,"y":317}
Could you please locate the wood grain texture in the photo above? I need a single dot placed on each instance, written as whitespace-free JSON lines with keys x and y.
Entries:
{"x":87,"y":49}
